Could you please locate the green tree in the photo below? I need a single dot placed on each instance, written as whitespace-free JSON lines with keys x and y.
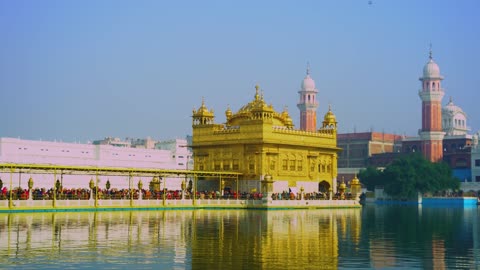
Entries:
{"x":370,"y":177}
{"x":408,"y":175}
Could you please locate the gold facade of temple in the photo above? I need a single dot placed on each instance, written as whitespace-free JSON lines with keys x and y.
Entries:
{"x":258,"y":141}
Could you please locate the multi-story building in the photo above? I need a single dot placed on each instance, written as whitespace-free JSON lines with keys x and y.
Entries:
{"x":443,"y":136}
{"x":105,"y":153}
{"x":263,"y":144}
{"x":358,"y":148}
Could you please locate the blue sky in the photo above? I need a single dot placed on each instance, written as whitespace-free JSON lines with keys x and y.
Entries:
{"x":84,"y":70}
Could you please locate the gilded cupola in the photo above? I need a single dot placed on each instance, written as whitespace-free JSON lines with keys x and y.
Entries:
{"x":203,"y":116}
{"x":258,"y":110}
{"x":286,"y":118}
{"x":228,"y":113}
{"x":330,"y":121}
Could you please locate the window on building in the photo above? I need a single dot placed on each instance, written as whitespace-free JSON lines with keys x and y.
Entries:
{"x":235,"y":165}
{"x":226,"y":165}
{"x":201,"y":167}
{"x":217,"y":165}
{"x":292,"y":165}
{"x":477,"y":178}
{"x":312,"y":167}
{"x":477,"y":162}
{"x":285,"y":164}
{"x":251,"y":166}
{"x":299,"y":165}
{"x":272,"y":165}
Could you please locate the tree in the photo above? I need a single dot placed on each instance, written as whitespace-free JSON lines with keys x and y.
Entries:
{"x":408,"y":175}
{"x":370,"y":177}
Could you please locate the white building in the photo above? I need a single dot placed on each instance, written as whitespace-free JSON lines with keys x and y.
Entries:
{"x":174,"y":155}
{"x":454,"y":120}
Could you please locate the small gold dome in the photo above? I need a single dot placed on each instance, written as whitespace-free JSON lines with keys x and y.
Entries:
{"x":355,"y":181}
{"x":228,"y":112}
{"x":329,"y":116}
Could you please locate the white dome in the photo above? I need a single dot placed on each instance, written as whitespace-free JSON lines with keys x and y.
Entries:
{"x":450,"y":107}
{"x":431,"y":70}
{"x":308,"y":83}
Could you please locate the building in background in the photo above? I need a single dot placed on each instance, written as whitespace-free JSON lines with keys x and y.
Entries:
{"x":443,"y":136}
{"x":358,"y":150}
{"x":110,"y":152}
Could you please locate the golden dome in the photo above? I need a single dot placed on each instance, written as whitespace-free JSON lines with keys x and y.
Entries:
{"x":329,"y":116}
{"x":258,"y":109}
{"x":228,"y":112}
{"x":355,"y":181}
{"x":343,"y":186}
{"x":203,"y":110}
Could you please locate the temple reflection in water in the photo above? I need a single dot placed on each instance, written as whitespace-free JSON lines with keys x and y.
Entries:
{"x":217,"y":239}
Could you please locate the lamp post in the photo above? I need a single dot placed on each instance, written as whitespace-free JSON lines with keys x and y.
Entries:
{"x":130,"y":187}
{"x":91,"y":185}
{"x":164,"y":191}
{"x":96,"y":189}
{"x":140,"y":186}
{"x":10,"y":203}
{"x":30,"y":186}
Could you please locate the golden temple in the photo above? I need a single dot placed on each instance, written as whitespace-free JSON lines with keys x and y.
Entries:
{"x":263,"y":144}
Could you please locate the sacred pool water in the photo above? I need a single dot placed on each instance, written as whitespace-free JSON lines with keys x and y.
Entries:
{"x":372,"y":237}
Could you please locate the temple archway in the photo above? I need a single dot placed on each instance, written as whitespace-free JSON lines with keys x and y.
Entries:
{"x":323,"y":186}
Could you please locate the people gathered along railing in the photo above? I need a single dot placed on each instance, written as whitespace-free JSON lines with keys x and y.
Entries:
{"x":127,"y":194}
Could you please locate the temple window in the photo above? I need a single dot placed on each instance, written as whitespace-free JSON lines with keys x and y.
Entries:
{"x":299,"y":165}
{"x":285,"y":164}
{"x":272,"y":165}
{"x":226,"y":165}
{"x":292,"y":165}
{"x":235,"y":165}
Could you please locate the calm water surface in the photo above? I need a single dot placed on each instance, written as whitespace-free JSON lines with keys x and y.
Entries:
{"x":375,"y":237}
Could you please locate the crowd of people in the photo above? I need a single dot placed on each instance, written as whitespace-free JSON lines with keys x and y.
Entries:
{"x":119,"y":194}
{"x":288,"y":195}
{"x":126,"y":194}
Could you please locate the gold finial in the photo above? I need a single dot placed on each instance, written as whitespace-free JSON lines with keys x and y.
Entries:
{"x":257,"y":88}
{"x":203,"y":101}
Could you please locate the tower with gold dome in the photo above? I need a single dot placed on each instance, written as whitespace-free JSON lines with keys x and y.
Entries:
{"x":258,"y":141}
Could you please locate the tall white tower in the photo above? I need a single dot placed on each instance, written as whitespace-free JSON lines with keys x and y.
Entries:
{"x":308,"y":104}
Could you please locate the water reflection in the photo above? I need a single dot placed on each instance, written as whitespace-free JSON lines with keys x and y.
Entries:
{"x":372,"y":237}
{"x":422,"y":238}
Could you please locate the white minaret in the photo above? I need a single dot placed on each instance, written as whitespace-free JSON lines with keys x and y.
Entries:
{"x":308,"y":103}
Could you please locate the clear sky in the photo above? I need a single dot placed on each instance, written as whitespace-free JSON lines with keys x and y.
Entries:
{"x":84,"y":70}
